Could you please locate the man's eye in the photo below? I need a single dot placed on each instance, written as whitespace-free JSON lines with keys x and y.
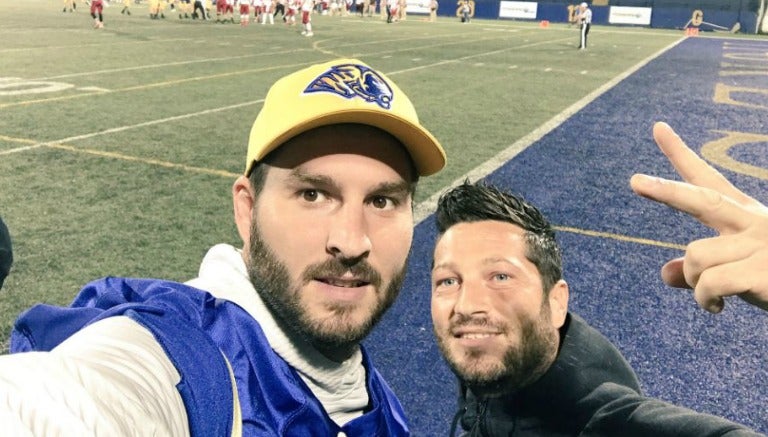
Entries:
{"x":501,"y":276}
{"x":310,"y":195}
{"x":382,"y":202}
{"x":448,"y":282}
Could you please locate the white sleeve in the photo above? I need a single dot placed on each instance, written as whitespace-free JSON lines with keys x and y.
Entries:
{"x":111,"y":378}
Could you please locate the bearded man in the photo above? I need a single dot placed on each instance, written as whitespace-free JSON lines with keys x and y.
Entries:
{"x":527,"y":366}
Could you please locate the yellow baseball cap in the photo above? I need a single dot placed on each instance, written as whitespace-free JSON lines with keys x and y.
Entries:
{"x":341,"y":91}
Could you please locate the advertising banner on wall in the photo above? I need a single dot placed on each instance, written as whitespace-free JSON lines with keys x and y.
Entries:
{"x":525,"y":10}
{"x":630,"y":15}
{"x":422,"y":6}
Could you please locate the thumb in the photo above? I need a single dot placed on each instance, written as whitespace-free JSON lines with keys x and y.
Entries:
{"x":672,"y":273}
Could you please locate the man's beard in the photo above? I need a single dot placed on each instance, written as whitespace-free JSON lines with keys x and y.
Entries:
{"x":340,"y":331}
{"x":520,"y":365}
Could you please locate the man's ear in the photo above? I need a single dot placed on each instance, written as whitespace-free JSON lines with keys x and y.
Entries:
{"x":558,"y":303}
{"x":243,"y":201}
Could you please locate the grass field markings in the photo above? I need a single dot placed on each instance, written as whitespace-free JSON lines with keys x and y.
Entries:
{"x":512,"y":67}
{"x":93,"y":88}
{"x":35,"y":144}
{"x":158,"y":84}
{"x":421,"y":67}
{"x":17,"y":140}
{"x":152,"y":122}
{"x":157,"y":162}
{"x":178,"y":81}
{"x":50,"y":99}
{"x":424,"y":209}
{"x":163,"y":65}
{"x":21,"y":149}
{"x":159,"y":121}
{"x":463,"y":58}
{"x":548,"y":69}
{"x":458,"y":35}
{"x":190,"y":79}
{"x":443,"y":44}
{"x":522,"y":46}
{"x":646,"y":32}
{"x":32,"y":144}
{"x":316,"y":45}
{"x":583,"y":72}
{"x":242,"y":72}
{"x":460,"y":39}
{"x":147,"y":86}
{"x":100,"y":44}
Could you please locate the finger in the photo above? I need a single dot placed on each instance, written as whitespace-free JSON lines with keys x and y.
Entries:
{"x":672,"y":274}
{"x":707,"y":206}
{"x":690,"y":166}
{"x":731,"y":279}
{"x":707,"y":253}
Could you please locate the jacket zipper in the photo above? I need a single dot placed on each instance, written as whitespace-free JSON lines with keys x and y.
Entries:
{"x":479,"y":428}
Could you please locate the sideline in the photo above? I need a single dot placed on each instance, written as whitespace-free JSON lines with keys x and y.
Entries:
{"x":425,"y":208}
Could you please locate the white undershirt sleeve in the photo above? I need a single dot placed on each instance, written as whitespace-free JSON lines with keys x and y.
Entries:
{"x":111,"y":378}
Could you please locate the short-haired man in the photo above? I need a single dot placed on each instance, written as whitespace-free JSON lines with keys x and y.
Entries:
{"x":585,"y":23}
{"x":324,"y":210}
{"x":526,"y":365}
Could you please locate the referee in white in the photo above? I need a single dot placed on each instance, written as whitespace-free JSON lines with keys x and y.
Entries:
{"x":585,"y":18}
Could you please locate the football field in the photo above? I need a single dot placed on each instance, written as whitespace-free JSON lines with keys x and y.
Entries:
{"x":118,"y":148}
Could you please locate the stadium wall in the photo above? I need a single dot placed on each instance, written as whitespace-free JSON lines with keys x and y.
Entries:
{"x":706,"y":15}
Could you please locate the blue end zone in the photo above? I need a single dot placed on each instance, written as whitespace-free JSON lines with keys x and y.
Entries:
{"x":578,"y":174}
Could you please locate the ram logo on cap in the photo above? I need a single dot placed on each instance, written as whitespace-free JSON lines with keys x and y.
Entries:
{"x":353,"y":81}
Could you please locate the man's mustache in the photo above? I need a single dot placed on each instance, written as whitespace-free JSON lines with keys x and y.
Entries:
{"x":335,"y":268}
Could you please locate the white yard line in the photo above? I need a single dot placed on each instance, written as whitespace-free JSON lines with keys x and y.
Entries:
{"x":423,"y":209}
{"x":132,"y":126}
{"x":151,"y":66}
{"x":15,"y":34}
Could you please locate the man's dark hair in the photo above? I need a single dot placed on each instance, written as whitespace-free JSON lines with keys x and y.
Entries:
{"x":478,"y":202}
{"x":256,"y":178}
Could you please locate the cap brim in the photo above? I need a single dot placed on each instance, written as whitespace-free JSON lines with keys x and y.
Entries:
{"x":426,"y":152}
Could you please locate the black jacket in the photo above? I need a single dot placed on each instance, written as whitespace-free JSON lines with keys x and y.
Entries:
{"x":590,"y":390}
{"x":6,"y":253}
